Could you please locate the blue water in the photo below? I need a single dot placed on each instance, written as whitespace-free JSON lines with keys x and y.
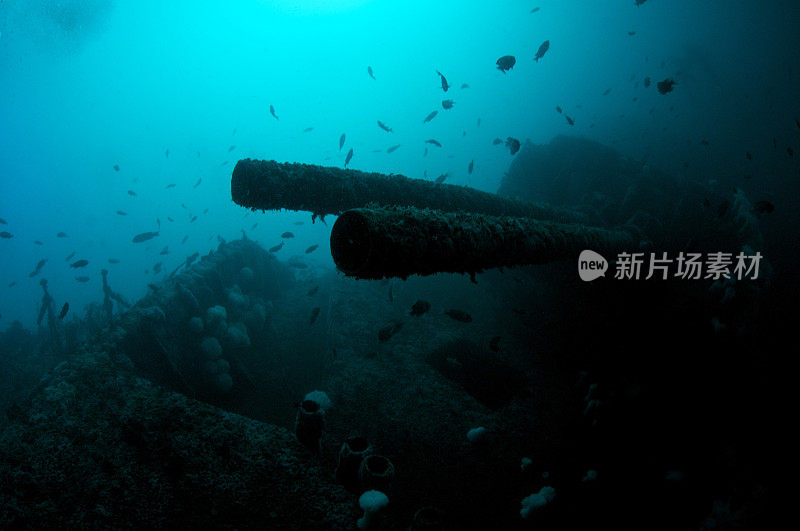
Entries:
{"x":87,"y":85}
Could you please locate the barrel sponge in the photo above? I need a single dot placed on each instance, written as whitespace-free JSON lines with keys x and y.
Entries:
{"x":236,"y":299}
{"x":216,"y":314}
{"x":196,"y":325}
{"x":211,"y":348}
{"x":237,"y":335}
{"x":536,"y":501}
{"x":223,"y":382}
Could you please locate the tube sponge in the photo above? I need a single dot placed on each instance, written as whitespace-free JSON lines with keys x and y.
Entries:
{"x":371,"y":502}
{"x":211,"y":348}
{"x":237,"y":335}
{"x":536,"y":501}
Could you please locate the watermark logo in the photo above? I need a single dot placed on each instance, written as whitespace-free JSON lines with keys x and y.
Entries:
{"x":591,"y":265}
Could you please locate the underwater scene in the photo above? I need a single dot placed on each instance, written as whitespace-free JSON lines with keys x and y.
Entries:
{"x":381,"y":265}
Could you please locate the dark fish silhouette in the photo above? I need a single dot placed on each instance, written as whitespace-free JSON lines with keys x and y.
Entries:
{"x":170,"y":185}
{"x":542,"y":50}
{"x":666,"y":86}
{"x":558,"y":109}
{"x":386,"y":333}
{"x":131,"y":192}
{"x":341,"y":141}
{"x":384,"y":127}
{"x":314,"y":315}
{"x":420,"y":307}
{"x":79,"y":263}
{"x":64,"y":310}
{"x":430,"y":117}
{"x":193,"y":219}
{"x":3,"y":222}
{"x":448,"y":104}
{"x":458,"y":315}
{"x":231,"y":148}
{"x":513,"y":145}
{"x":570,"y":121}
{"x":440,"y":179}
{"x":67,"y":259}
{"x":276,"y":248}
{"x":312,"y":249}
{"x":37,"y":242}
{"x":535,"y":9}
{"x":198,"y":182}
{"x":393,"y":148}
{"x":631,"y":33}
{"x":494,"y":344}
{"x":113,"y":260}
{"x":496,"y":142}
{"x":164,"y":251}
{"x":308,"y":129}
{"x":121,"y":213}
{"x":144,"y":236}
{"x":646,"y":82}
{"x":790,"y":151}
{"x":313,"y":291}
{"x":184,"y":239}
{"x":348,"y":157}
{"x":116,"y":167}
{"x":748,"y":155}
{"x":82,"y":279}
{"x":61,"y":235}
{"x":369,"y":71}
{"x":471,"y":165}
{"x":434,"y":142}
{"x":287,"y":235}
{"x":445,"y":86}
{"x":166,"y":153}
{"x":607,"y":92}
{"x":639,"y":2}
{"x":506,"y":63}
{"x":763,"y":207}
{"x":38,"y":268}
{"x":272,"y":112}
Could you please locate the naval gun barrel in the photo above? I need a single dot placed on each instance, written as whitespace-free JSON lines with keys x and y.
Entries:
{"x":323,"y":190}
{"x":374,"y":243}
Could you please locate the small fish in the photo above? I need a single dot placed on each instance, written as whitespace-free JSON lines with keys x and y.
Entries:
{"x":535,"y":9}
{"x":506,"y":63}
{"x":184,"y":239}
{"x":314,"y":315}
{"x":38,"y":268}
{"x":313,"y":291}
{"x":445,"y":86}
{"x":762,"y":207}
{"x":558,"y":109}
{"x":464,"y":86}
{"x":164,"y":251}
{"x":665,"y":86}
{"x":254,"y":226}
{"x":198,"y":182}
{"x":341,"y":141}
{"x":440,"y":179}
{"x":144,"y":236}
{"x":494,"y":344}
{"x":132,"y":193}
{"x":113,"y":260}
{"x":312,"y":249}
{"x":82,"y":279}
{"x":121,"y":213}
{"x":170,"y":185}
{"x":69,"y":257}
{"x":61,"y":235}
{"x":308,"y":129}
{"x":434,"y":142}
{"x":384,"y":127}
{"x":607,"y":92}
{"x":420,"y":307}
{"x":116,"y":167}
{"x":496,"y":142}
{"x":166,"y":153}
{"x":348,"y":157}
{"x":287,"y":235}
{"x":64,"y":310}
{"x":231,"y":148}
{"x":704,"y":143}
{"x":430,"y":117}
{"x":448,"y":104}
{"x":646,"y":82}
{"x":797,"y":122}
{"x":157,"y":268}
{"x":276,"y":248}
{"x":272,"y":112}
{"x":224,"y":162}
{"x":513,"y":145}
{"x":570,"y":121}
{"x":748,"y":155}
{"x":3,"y":222}
{"x":471,"y":165}
{"x":542,"y":50}
{"x":790,"y":151}
{"x":458,"y":315}
{"x":631,"y":33}
{"x":369,"y":71}
{"x":79,"y":263}
{"x":12,"y":283}
{"x":639,"y":2}
{"x":386,"y":333}
{"x":393,"y":148}
{"x":37,"y":242}
{"x":426,"y":153}
{"x":170,"y":219}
